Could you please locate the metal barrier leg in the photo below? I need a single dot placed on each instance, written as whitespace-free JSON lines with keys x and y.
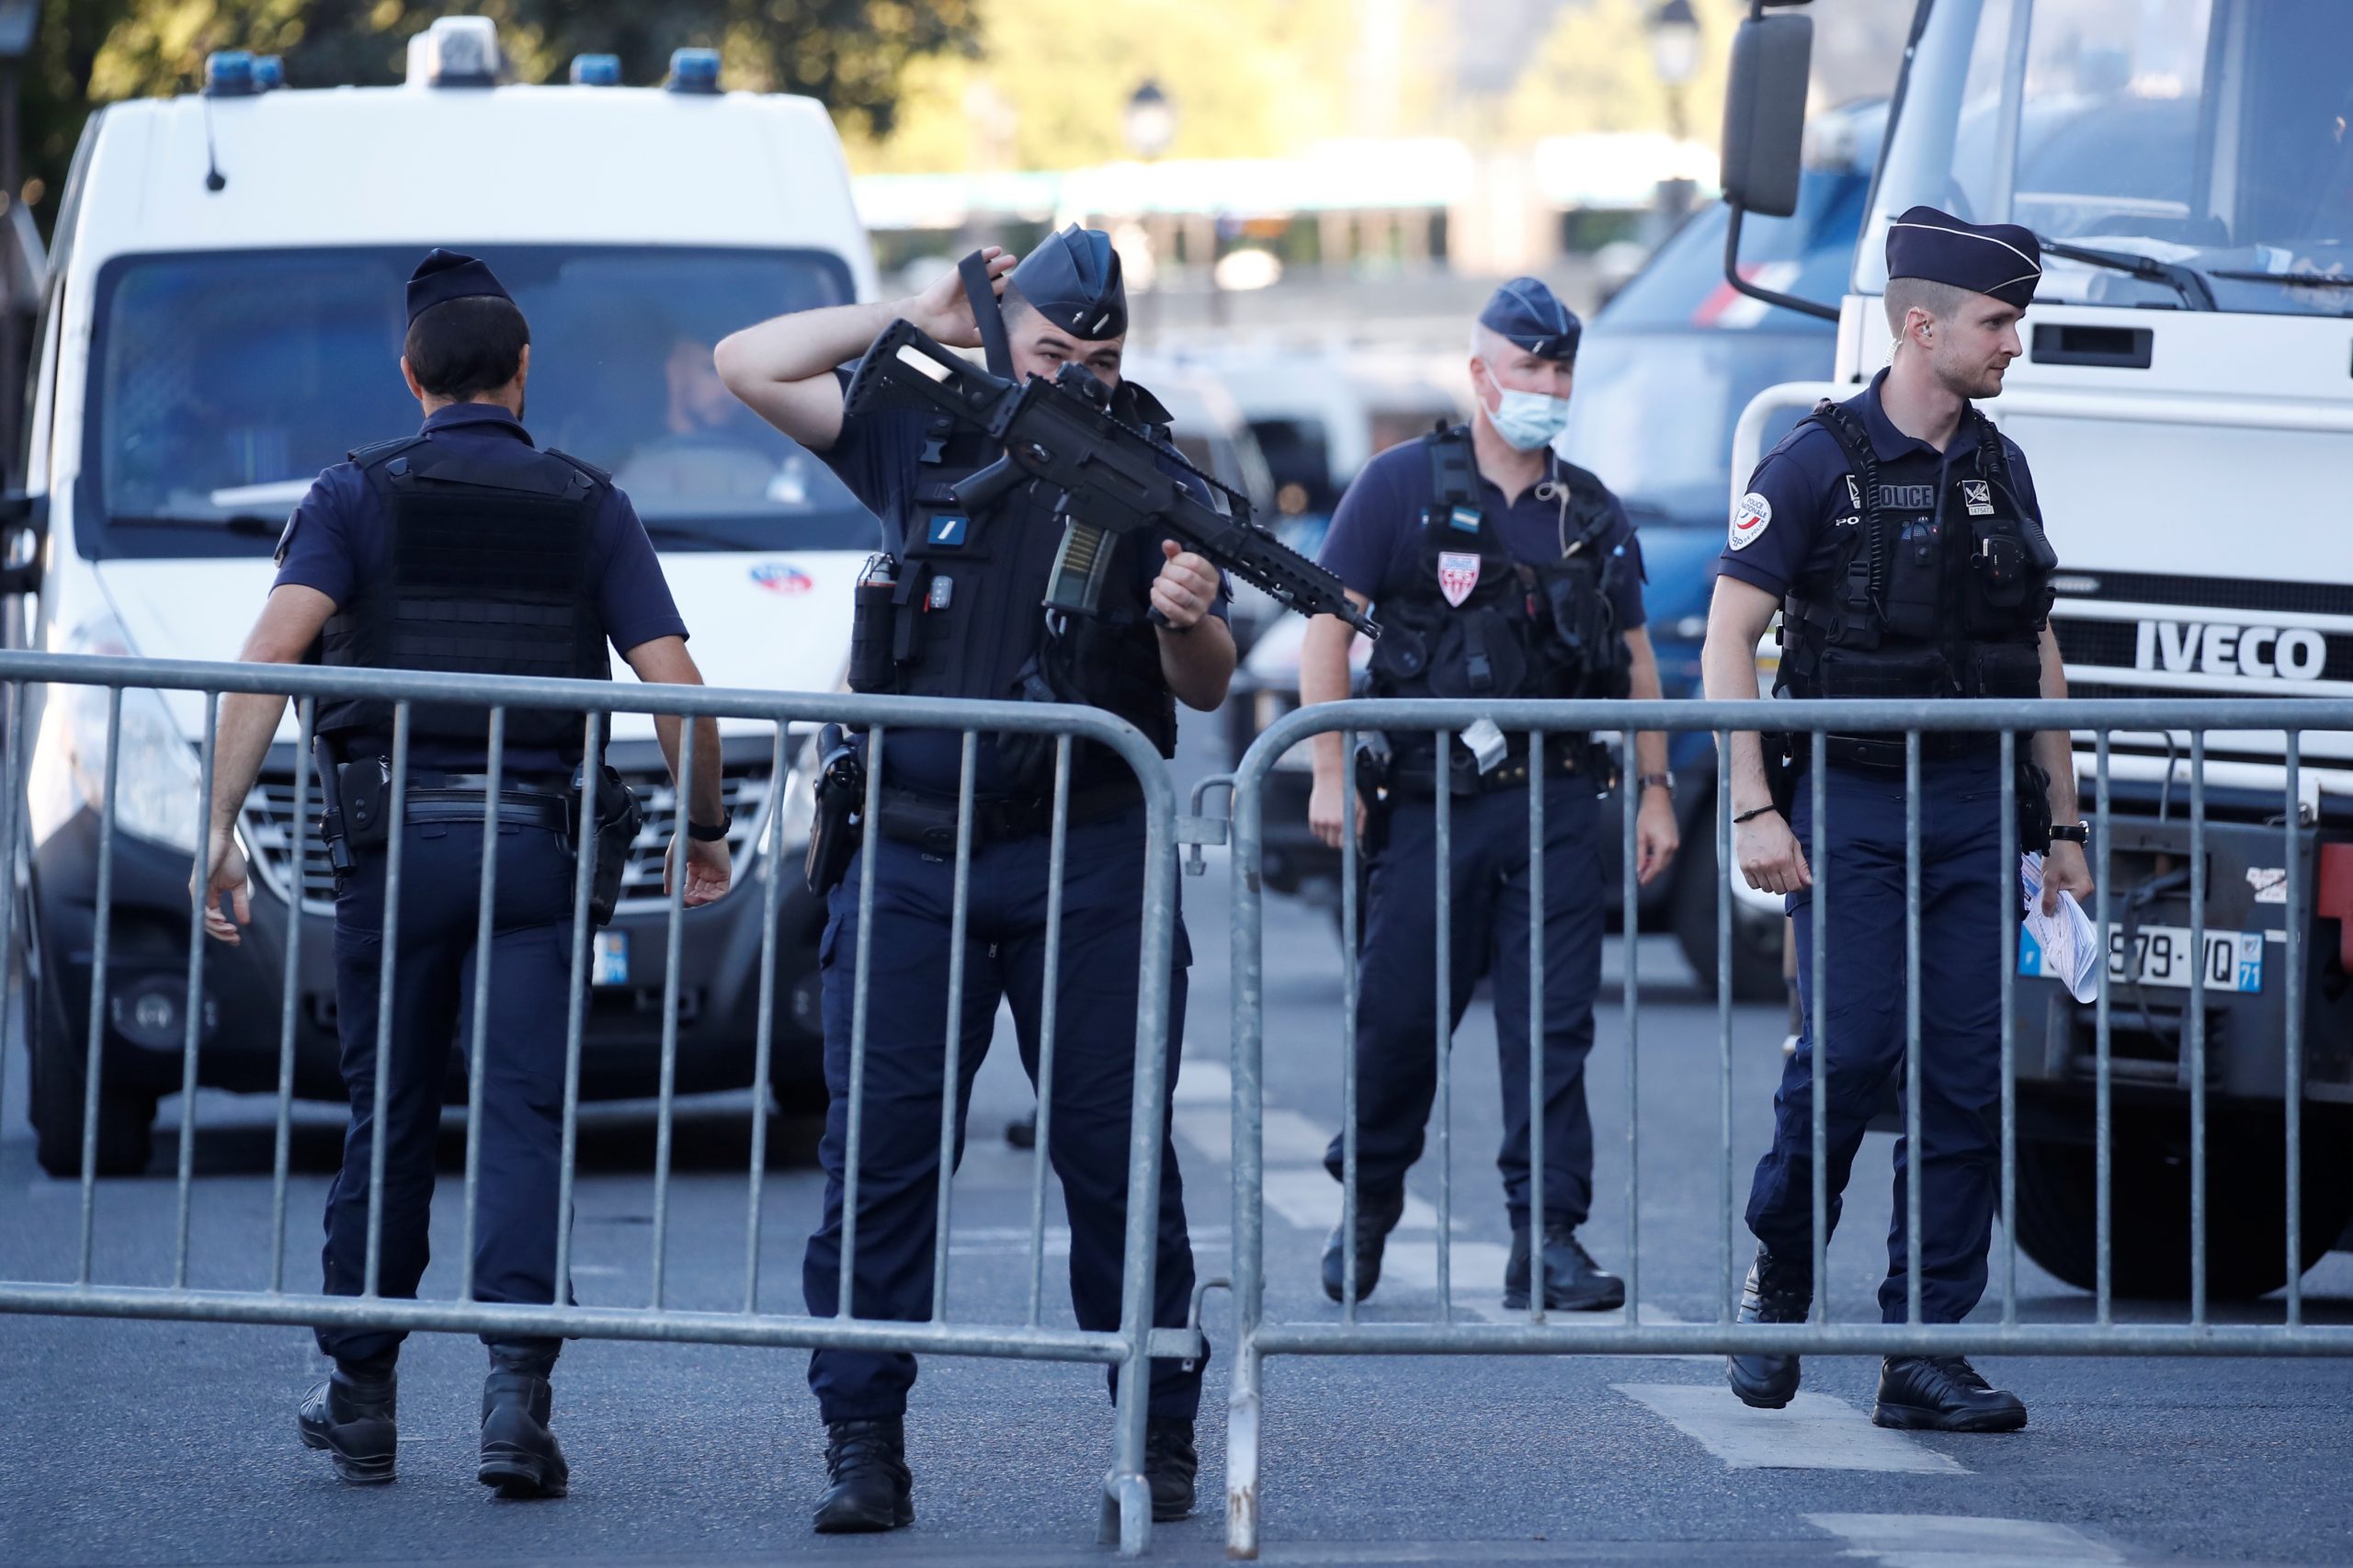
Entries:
{"x":1351,"y":930}
{"x":1630,"y":921}
{"x":1244,"y":1494}
{"x":1915,"y":1157}
{"x":2197,"y":1063}
{"x":2103,"y":1116}
{"x":1818,"y":862}
{"x":1147,"y":1131}
{"x":773,"y":871}
{"x":2012,"y":902}
{"x":99,"y":944}
{"x":194,"y":1023}
{"x":1724,"y":871}
{"x":2292,"y":1090}
{"x":289,"y":996}
{"x":477,"y":1056}
{"x":952,"y":1083}
{"x":1049,"y":1021}
{"x":1442,"y":879}
{"x":583,"y":881}
{"x":387,"y":974}
{"x":1536,"y":989}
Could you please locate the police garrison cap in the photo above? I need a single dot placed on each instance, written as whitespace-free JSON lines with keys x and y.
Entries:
{"x":1525,"y":312}
{"x":1073,"y":280}
{"x":2000,"y":259}
{"x":444,"y":275}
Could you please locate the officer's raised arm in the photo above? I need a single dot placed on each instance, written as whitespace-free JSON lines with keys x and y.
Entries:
{"x":783,"y":368}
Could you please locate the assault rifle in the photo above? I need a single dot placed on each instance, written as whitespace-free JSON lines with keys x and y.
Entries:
{"x":1110,"y":474}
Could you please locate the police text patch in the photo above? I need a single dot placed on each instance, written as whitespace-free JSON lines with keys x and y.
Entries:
{"x":1750,"y":519}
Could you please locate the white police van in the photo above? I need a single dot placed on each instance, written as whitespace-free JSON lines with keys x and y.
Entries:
{"x":222,"y":321}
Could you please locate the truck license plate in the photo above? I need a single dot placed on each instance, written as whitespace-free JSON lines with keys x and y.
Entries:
{"x":610,"y":965}
{"x":2233,"y":959}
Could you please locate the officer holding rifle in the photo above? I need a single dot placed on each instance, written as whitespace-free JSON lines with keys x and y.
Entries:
{"x":1898,"y":535}
{"x":955,"y":610}
{"x":461,"y":549}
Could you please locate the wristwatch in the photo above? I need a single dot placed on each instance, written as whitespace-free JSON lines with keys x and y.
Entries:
{"x":1657,"y":781}
{"x":709,"y":833}
{"x":2081,"y":832}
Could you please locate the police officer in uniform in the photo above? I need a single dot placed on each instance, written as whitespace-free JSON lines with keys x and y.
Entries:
{"x":1898,"y":535}
{"x":977,"y":582}
{"x":543,"y":563}
{"x":1499,"y":572}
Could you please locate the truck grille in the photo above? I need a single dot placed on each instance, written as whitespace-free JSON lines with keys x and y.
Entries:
{"x":269,"y":832}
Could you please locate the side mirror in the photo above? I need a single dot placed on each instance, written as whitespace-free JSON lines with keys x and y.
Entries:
{"x":1772,"y":59}
{"x":24,"y":530}
{"x":1764,"y":144}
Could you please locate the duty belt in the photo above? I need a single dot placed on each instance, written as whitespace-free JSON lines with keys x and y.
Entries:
{"x":1887,"y":751}
{"x":1417,"y":776}
{"x":460,"y":797}
{"x":929,"y":820}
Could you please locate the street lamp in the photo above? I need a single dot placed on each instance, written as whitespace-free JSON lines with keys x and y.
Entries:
{"x":1675,"y":47}
{"x":1150,"y":122}
{"x":1675,"y":55}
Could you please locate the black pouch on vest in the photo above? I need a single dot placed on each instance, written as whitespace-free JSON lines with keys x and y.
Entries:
{"x":1883,"y":672}
{"x":2003,"y":669}
{"x":365,"y":788}
{"x":620,"y":816}
{"x":872,"y":621}
{"x":1573,"y":589}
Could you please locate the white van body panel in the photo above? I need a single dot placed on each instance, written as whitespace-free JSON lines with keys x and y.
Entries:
{"x":456,"y":166}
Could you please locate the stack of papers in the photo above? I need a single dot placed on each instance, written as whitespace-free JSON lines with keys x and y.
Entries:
{"x":2070,"y":945}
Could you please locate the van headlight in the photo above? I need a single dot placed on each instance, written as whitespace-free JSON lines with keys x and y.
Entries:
{"x":158,"y":786}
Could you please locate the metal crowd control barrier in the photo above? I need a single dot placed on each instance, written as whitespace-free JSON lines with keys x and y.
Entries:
{"x":1127,"y":1509}
{"x":1326,"y":1333}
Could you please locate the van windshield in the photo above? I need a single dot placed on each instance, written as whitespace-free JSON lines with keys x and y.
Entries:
{"x":2209,"y":136}
{"x":222,"y":383}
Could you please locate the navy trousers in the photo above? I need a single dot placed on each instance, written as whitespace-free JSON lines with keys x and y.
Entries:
{"x":906,"y":1023}
{"x":522,"y":1107}
{"x":1960,"y":916}
{"x":1397,"y":1005}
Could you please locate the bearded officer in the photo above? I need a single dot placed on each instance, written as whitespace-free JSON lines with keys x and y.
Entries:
{"x":544,"y":563}
{"x":1500,"y":572}
{"x":984,"y":636}
{"x":1898,"y":535}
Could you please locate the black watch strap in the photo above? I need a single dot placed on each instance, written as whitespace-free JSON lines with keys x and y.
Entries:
{"x":2080,"y":832}
{"x":707,"y":833}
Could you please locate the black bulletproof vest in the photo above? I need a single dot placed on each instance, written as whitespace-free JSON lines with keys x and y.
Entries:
{"x":484,"y":572}
{"x":968,"y":607}
{"x":1936,"y":590}
{"x":1474,"y":622}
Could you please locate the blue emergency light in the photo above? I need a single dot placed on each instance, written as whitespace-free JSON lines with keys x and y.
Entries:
{"x":229,"y":73}
{"x":270,"y":72}
{"x":595,"y":70}
{"x":694,"y":71}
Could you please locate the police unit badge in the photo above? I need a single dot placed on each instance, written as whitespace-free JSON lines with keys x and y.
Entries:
{"x":1458,"y":574}
{"x":1750,"y":519}
{"x":1977,"y":494}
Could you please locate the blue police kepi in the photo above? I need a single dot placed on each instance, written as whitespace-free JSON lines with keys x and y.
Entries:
{"x":965,"y":622}
{"x":1499,"y":572}
{"x":1898,"y":535}
{"x":462,"y":548}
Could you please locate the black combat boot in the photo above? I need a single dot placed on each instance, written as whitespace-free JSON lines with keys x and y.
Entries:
{"x":1942,"y":1394}
{"x":871,"y":1487}
{"x":1776,"y":1292}
{"x":1170,"y":1464}
{"x":1377,"y":1215}
{"x":351,"y":1417}
{"x":1573,"y":1281}
{"x":519,"y":1456}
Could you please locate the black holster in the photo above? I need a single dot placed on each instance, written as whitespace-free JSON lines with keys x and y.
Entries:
{"x":2034,"y":808}
{"x":619,"y":817}
{"x":1374,"y":763}
{"x":1782,"y":766}
{"x":835,"y":834}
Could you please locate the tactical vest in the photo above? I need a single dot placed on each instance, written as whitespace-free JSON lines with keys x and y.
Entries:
{"x":1950,"y":603}
{"x":1475,"y":622}
{"x":486,"y":571}
{"x":966,"y":616}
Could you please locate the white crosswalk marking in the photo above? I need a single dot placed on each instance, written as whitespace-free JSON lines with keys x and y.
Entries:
{"x":1944,"y":1541}
{"x":1816,"y":1432}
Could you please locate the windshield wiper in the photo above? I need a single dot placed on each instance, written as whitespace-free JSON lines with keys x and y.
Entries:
{"x":235,"y":522}
{"x":2289,"y":280}
{"x":2187,"y":281}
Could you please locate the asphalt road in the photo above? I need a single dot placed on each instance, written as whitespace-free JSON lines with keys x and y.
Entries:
{"x":158,"y":1442}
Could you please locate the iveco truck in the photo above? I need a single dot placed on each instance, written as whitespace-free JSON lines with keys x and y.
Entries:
{"x":222,"y":321}
{"x":2186,"y":402}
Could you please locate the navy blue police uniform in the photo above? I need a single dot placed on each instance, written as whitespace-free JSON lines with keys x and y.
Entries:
{"x":972,"y":627}
{"x":1484,"y":596}
{"x":545,"y":562}
{"x":1905,"y":572}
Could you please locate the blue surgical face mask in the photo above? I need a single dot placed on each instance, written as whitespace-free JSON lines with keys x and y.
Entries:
{"x":1528,"y":420}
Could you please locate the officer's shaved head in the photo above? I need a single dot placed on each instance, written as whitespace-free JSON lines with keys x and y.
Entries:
{"x":462,"y":349}
{"x":1941,"y":301}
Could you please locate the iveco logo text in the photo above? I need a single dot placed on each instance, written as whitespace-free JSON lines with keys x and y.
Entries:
{"x":2266,"y":652}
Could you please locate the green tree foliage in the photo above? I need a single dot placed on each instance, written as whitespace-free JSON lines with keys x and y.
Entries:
{"x":850,"y":54}
{"x":1594,"y":73}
